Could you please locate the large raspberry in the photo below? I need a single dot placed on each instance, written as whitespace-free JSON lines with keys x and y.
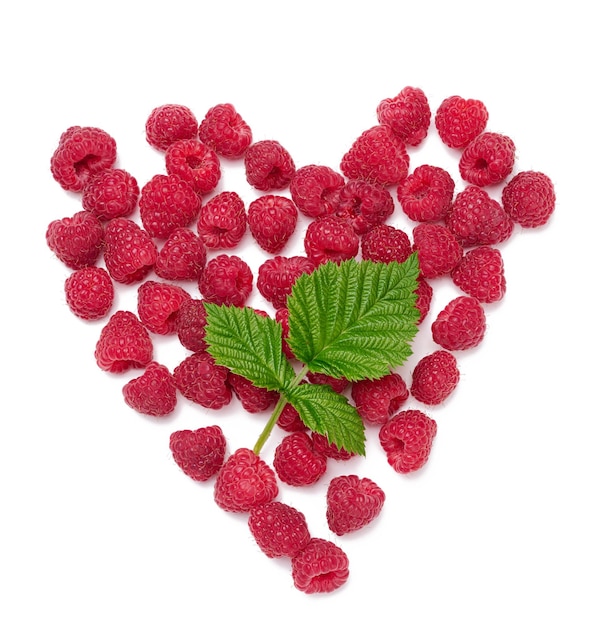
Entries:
{"x":272,"y":220}
{"x":226,"y":280}
{"x":111,"y":193}
{"x":408,"y":115}
{"x":435,"y":377}
{"x":529,"y":198}
{"x":202,"y":381}
{"x":169,"y":123}
{"x":276,"y":277}
{"x":153,"y":392}
{"x":158,"y":304}
{"x":222,"y":221}
{"x":278,"y":529}
{"x":297,"y":462}
{"x":385,"y":244}
{"x":195,"y":163}
{"x":364,"y":204}
{"x":315,"y":189}
{"x":480,"y":273}
{"x":253,"y":399}
{"x":438,"y":249}
{"x":426,"y":194}
{"x":488,"y":159}
{"x":199,"y":453}
{"x":130,"y":253}
{"x":379,"y":399}
{"x":330,"y":238}
{"x":190,"y":325}
{"x":460,"y":325}
{"x":89,"y":293}
{"x":320,"y":567}
{"x":458,"y":120}
{"x":77,"y":241}
{"x":181,"y":257}
{"x":268,"y":165}
{"x":225,"y":131}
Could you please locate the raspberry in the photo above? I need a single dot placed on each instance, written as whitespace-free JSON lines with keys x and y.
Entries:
{"x":153,"y":392}
{"x":438,"y":249}
{"x":377,"y":155}
{"x":529,"y":199}
{"x":190,"y":325}
{"x":435,"y":377}
{"x":315,"y":188}
{"x":158,"y":304}
{"x":181,"y":257}
{"x":268,"y":165}
{"x":322,"y":445}
{"x":460,"y":325}
{"x":199,"y":453}
{"x":296,"y":461}
{"x":195,"y":163}
{"x":408,"y":115}
{"x":477,"y":219}
{"x":278,"y":529}
{"x":272,"y":220}
{"x":385,"y":244}
{"x":290,"y":421}
{"x":89,"y":293}
{"x":244,"y":482}
{"x":426,"y":194}
{"x":82,"y":151}
{"x":226,"y":280}
{"x":364,"y":204}
{"x":330,"y":239}
{"x":167,"y":202}
{"x":130,"y":253}
{"x":424,"y":298}
{"x":379,"y":399}
{"x":225,"y":131}
{"x":201,"y":380}
{"x":77,"y":241}
{"x":282,"y":318}
{"x":458,"y":120}
{"x":480,"y":273}
{"x":487,"y":160}
{"x":352,"y":503}
{"x":124,"y":343}
{"x":223,"y":221}
{"x":111,"y":193}
{"x":320,"y":567}
{"x":337,"y":384}
{"x":276,"y":277}
{"x":169,"y":123}
{"x":253,"y":399}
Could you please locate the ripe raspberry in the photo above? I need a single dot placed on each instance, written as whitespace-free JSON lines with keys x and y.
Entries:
{"x":487,"y":160}
{"x":379,"y":399}
{"x":202,"y":381}
{"x":276,"y":277}
{"x":435,"y":377}
{"x":181,"y":257}
{"x":158,"y":304}
{"x":337,"y":384}
{"x":268,"y":165}
{"x":438,"y":249}
{"x":407,"y":439}
{"x":130,"y":253}
{"x":529,"y":199}
{"x":377,"y":155}
{"x":195,"y":163}
{"x":169,"y":123}
{"x":364,"y":204}
{"x":225,"y":131}
{"x":322,"y":445}
{"x":290,"y":421}
{"x":253,"y":399}
{"x":278,"y":529}
{"x":272,"y":220}
{"x":167,"y":202}
{"x":82,"y":151}
{"x":199,"y":453}
{"x":352,"y":503}
{"x":89,"y":293}
{"x":110,"y":193}
{"x":153,"y":392}
{"x":320,"y":567}
{"x":223,"y":221}
{"x":460,"y":325}
{"x":426,"y":194}
{"x":458,"y":120}
{"x":330,"y":239}
{"x":315,"y":188}
{"x":296,"y":461}
{"x":244,"y":482}
{"x":190,"y":325}
{"x":480,"y":273}
{"x":424,"y":298}
{"x":226,"y":280}
{"x":124,"y":343}
{"x":477,"y":219}
{"x":385,"y":244}
{"x":408,"y":115}
{"x":282,"y":318}
{"x":77,"y":241}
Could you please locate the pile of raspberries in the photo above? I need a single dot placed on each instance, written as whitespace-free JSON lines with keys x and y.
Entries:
{"x":173,"y":238}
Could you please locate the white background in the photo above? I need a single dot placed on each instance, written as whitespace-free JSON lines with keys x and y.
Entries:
{"x":98,"y":525}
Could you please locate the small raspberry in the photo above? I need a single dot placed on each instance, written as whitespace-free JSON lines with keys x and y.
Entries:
{"x":330,"y":239}
{"x":276,"y":277}
{"x":460,"y":325}
{"x":153,"y":392}
{"x":268,"y":165}
{"x":181,"y":257}
{"x":201,"y":380}
{"x":438,"y":249}
{"x":111,"y":193}
{"x":290,"y":420}
{"x":487,"y":160}
{"x":435,"y":377}
{"x":529,"y":199}
{"x":296,"y":461}
{"x":385,"y":244}
{"x":480,"y":273}
{"x":426,"y":194}
{"x":337,"y":384}
{"x":222,"y":221}
{"x":199,"y":453}
{"x":272,"y":220}
{"x":253,"y":399}
{"x":282,"y":318}
{"x":158,"y":304}
{"x":379,"y":399}
{"x":169,"y":123}
{"x":364,"y":204}
{"x":195,"y":163}
{"x":320,"y":567}
{"x":424,"y":294}
{"x":458,"y":120}
{"x":89,"y":293}
{"x":226,"y":280}
{"x":315,"y":188}
{"x":130,"y":253}
{"x":225,"y":131}
{"x":77,"y":241}
{"x":278,"y":529}
{"x":190,"y":325}
{"x":408,"y":115}
{"x":322,"y":445}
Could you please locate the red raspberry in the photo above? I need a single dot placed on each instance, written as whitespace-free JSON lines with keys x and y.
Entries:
{"x":111,"y":193}
{"x":276,"y":277}
{"x":130,"y":253}
{"x":167,"y":202}
{"x":182,"y":256}
{"x":225,"y":131}
{"x":199,"y":453}
{"x":153,"y":392}
{"x":435,"y":377}
{"x":408,"y":115}
{"x":195,"y":163}
{"x":272,"y":220}
{"x":377,"y":155}
{"x":190,"y":325}
{"x":460,"y":325}
{"x":169,"y":123}
{"x":330,"y":239}
{"x":82,"y":151}
{"x":407,"y":439}
{"x":487,"y":160}
{"x":337,"y":384}
{"x":226,"y":280}
{"x":253,"y":399}
{"x":458,"y":120}
{"x":364,"y":204}
{"x":77,"y":241}
{"x":352,"y":503}
{"x":438,"y":249}
{"x":268,"y":165}
{"x":282,"y":318}
{"x":477,"y":219}
{"x":244,"y":482}
{"x":529,"y":199}
{"x":385,"y":244}
{"x":379,"y":399}
{"x":424,"y":298}
{"x":202,"y":381}
{"x":296,"y":461}
{"x":124,"y":343}
{"x":322,"y":445}
{"x":278,"y":529}
{"x":290,"y":421}
{"x":158,"y":304}
{"x":89,"y":293}
{"x":223,"y":221}
{"x":480,"y":273}
{"x":320,"y":567}
{"x":315,"y":188}
{"x":426,"y":194}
